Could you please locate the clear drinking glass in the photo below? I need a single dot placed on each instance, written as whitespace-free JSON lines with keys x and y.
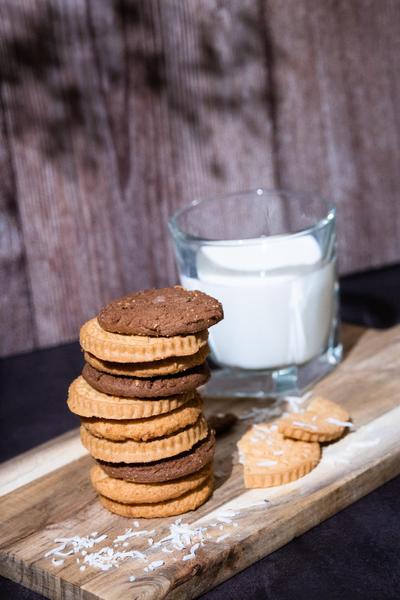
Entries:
{"x":270,"y":257}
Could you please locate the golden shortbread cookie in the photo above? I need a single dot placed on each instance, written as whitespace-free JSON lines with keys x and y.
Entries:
{"x":270,"y":459}
{"x":116,"y":347}
{"x":131,"y":451}
{"x":166,"y":366}
{"x":168,"y":508}
{"x":146,"y":429}
{"x":85,"y":401}
{"x":257,"y":478}
{"x":322,"y":421}
{"x":127,"y":492}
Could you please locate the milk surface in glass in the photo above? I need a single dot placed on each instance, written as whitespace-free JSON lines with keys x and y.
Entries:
{"x":278,"y":299}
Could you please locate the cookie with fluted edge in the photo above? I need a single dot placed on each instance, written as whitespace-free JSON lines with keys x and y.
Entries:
{"x":131,"y":451}
{"x":85,"y":401}
{"x":128,"y":492}
{"x":119,"y":348}
{"x":168,"y":508}
{"x":270,"y":459}
{"x":322,"y":421}
{"x":138,"y":387}
{"x":166,"y":469}
{"x":146,"y":429}
{"x":157,"y":368}
{"x":163,"y":312}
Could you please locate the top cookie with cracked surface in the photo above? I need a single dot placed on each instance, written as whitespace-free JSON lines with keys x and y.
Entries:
{"x":163,"y":312}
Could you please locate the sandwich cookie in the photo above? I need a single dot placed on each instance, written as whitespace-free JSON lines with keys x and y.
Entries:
{"x":119,"y":348}
{"x":128,"y":492}
{"x":167,"y":469}
{"x":136,"y":387}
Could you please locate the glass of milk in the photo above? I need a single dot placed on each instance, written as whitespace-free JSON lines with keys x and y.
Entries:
{"x":270,"y":257}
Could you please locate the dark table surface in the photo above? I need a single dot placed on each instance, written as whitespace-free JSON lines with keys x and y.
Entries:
{"x":354,"y":555}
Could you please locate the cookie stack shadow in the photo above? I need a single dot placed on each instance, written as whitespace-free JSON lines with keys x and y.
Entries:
{"x":141,"y":413}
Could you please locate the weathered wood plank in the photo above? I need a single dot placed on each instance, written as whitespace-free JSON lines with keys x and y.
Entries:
{"x":218,"y":96}
{"x":336,"y":118}
{"x":119,"y":112}
{"x":16,"y":311}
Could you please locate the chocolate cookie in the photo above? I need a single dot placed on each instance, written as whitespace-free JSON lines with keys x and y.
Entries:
{"x":138,"y":387}
{"x":164,"y":470}
{"x":164,"y":312}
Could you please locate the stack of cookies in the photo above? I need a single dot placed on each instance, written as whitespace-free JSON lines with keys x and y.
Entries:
{"x":141,"y":416}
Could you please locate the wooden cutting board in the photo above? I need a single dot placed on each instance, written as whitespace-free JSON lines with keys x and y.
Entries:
{"x":48,"y":495}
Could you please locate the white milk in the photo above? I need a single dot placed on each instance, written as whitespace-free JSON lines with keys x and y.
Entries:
{"x":278,"y":300}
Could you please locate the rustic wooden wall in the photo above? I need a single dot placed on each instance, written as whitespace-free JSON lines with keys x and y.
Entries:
{"x":113,"y":113}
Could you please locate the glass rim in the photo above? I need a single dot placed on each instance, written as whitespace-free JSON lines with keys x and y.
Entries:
{"x":177,"y":232}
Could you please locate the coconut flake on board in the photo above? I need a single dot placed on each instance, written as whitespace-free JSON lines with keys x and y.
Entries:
{"x":183,"y":539}
{"x":156,"y":564}
{"x":340,"y":423}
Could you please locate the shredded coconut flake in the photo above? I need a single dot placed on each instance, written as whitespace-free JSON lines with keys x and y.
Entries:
{"x":156,"y":564}
{"x":266,"y":463}
{"x":129,"y":533}
{"x":100,"y":539}
{"x":338,"y":422}
{"x":182,"y":535}
{"x":181,"y":538}
{"x":293,"y":403}
{"x":107,"y":557}
{"x":188,"y":557}
{"x":74,"y":545}
{"x":305,"y":425}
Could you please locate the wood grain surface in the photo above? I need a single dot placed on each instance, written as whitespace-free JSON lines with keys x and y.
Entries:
{"x":114,"y":113}
{"x":45,"y":506}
